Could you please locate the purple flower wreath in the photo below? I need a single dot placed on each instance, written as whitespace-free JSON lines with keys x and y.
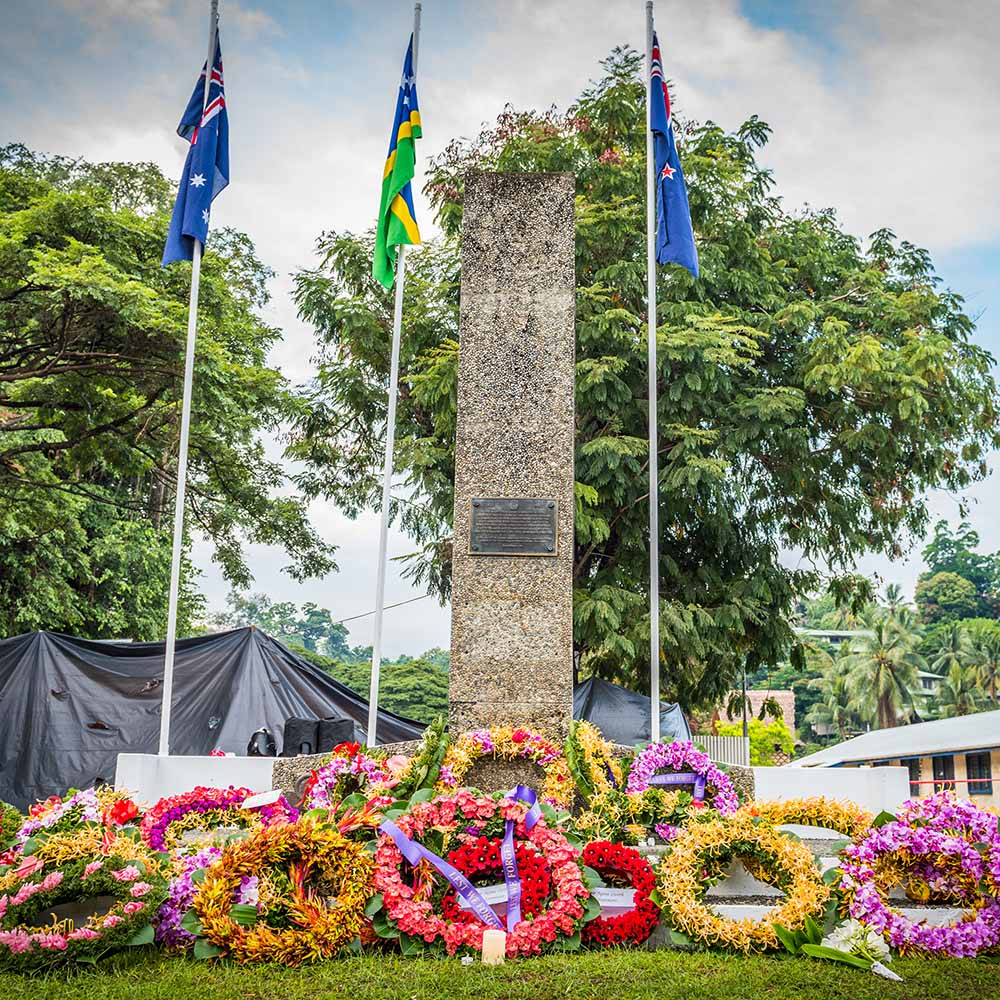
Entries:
{"x":943,"y":811}
{"x":180,"y":895}
{"x":897,"y":849}
{"x":684,"y":758}
{"x":212,"y":807}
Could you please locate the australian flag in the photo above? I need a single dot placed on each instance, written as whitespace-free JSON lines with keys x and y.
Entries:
{"x":674,"y":236}
{"x":206,"y":170}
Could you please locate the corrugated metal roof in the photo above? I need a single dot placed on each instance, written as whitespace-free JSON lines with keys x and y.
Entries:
{"x":966,"y":732}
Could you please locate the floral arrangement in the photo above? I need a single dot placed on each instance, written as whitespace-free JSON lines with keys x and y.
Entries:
{"x":349,"y":770}
{"x":425,"y":765}
{"x":509,"y":743}
{"x":622,"y":866}
{"x":829,"y":814}
{"x":56,"y":814}
{"x":203,"y":809}
{"x":410,"y":903}
{"x":944,"y":811}
{"x":888,"y":856}
{"x":299,"y":890}
{"x":592,"y":761}
{"x":699,"y":856}
{"x":34,"y":887}
{"x":11,"y":822}
{"x":169,"y":930}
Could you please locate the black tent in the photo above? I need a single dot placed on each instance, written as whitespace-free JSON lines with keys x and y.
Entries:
{"x":622,"y":715}
{"x":69,"y":706}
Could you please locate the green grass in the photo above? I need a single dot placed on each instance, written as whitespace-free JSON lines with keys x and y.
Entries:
{"x":614,"y":975}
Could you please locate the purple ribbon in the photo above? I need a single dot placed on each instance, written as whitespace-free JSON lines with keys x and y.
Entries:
{"x":682,"y":778}
{"x":415,"y":853}
{"x":510,"y":874}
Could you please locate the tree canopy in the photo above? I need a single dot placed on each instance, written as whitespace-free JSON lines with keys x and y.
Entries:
{"x":91,"y":362}
{"x":811,"y":389}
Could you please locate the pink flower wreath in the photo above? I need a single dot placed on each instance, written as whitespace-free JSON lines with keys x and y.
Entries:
{"x":412,"y":905}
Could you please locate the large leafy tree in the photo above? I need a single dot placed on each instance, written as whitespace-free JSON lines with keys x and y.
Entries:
{"x":91,"y":354}
{"x":810,"y":389}
{"x":952,"y":551}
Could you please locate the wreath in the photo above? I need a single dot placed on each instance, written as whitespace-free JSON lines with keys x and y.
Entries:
{"x":844,"y":817}
{"x":625,"y":867}
{"x":699,"y":857}
{"x":348,"y":771}
{"x":165,"y":823}
{"x":35,"y":886}
{"x":168,"y":925}
{"x":509,"y":743}
{"x":416,"y":885}
{"x":592,"y":761}
{"x":889,"y":856}
{"x":58,"y":815}
{"x":292,"y":893}
{"x":943,"y":811}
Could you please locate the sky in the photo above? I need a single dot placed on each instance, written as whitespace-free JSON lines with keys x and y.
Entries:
{"x":883,"y":109}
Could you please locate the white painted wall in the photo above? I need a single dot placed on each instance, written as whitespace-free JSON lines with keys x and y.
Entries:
{"x":150,"y":777}
{"x":873,"y":788}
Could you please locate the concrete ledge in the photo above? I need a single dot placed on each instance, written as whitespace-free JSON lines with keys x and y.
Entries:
{"x":150,"y":777}
{"x":872,"y":788}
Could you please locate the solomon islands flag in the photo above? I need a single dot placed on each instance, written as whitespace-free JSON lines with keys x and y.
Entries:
{"x":206,"y":169}
{"x":674,"y":236}
{"x":396,"y":221}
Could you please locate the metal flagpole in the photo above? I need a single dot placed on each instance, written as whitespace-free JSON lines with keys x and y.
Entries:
{"x":182,"y":453}
{"x":390,"y":441}
{"x":654,"y":475}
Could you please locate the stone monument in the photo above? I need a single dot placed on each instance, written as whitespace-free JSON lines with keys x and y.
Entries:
{"x":512,"y":569}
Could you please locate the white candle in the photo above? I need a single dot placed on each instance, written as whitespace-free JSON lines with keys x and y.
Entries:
{"x":494,"y":947}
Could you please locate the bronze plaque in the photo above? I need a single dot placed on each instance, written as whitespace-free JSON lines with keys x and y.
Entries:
{"x":517,"y":526}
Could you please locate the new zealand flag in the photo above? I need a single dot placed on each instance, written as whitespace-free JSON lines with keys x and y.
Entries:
{"x":674,"y":236}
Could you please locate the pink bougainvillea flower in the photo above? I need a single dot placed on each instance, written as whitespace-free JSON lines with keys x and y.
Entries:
{"x":140,"y":889}
{"x":127,"y":874}
{"x":93,"y":866}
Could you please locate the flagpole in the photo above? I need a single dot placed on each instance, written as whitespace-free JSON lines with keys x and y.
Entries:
{"x":182,"y":452}
{"x":390,"y":441}
{"x":654,"y":475}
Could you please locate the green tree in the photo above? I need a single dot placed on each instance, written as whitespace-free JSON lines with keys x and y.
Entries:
{"x":883,"y":681}
{"x":811,"y":390}
{"x":91,"y":353}
{"x":953,"y":552}
{"x":417,"y":689}
{"x":766,"y":738}
{"x":833,"y":709}
{"x":958,"y":692}
{"x":984,"y":636}
{"x":953,"y":648}
{"x":312,"y":628}
{"x":946,"y":597}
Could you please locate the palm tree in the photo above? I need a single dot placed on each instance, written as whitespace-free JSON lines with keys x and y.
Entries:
{"x":987,"y":652}
{"x":894,"y":600}
{"x":958,"y":693}
{"x":833,"y":710}
{"x":883,"y":681}
{"x":953,"y":649}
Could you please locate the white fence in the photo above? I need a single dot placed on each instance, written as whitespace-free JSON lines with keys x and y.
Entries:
{"x":726,"y":749}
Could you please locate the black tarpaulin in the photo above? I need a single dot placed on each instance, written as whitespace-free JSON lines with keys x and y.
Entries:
{"x":69,"y":706}
{"x":622,"y":715}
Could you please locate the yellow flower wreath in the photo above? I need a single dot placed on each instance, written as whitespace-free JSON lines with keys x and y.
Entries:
{"x":709,"y":846}
{"x":509,"y":743}
{"x":831,"y":814}
{"x":311,"y":856}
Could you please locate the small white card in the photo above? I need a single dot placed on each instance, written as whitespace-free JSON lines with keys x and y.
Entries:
{"x":615,"y":901}
{"x":492,"y":894}
{"x":262,"y":799}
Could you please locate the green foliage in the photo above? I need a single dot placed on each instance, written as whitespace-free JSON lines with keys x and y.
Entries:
{"x":91,"y":357}
{"x":11,"y":820}
{"x":416,"y":688}
{"x":312,"y":629}
{"x":946,"y":597}
{"x":765,"y":739}
{"x":811,"y":390}
{"x":952,"y":552}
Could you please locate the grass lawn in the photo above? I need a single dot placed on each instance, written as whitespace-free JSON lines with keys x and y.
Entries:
{"x":613,"y":975}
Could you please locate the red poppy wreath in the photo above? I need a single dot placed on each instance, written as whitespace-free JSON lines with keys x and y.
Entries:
{"x":621,"y":867}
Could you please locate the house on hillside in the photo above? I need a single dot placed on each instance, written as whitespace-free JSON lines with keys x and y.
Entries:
{"x":961,"y":754}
